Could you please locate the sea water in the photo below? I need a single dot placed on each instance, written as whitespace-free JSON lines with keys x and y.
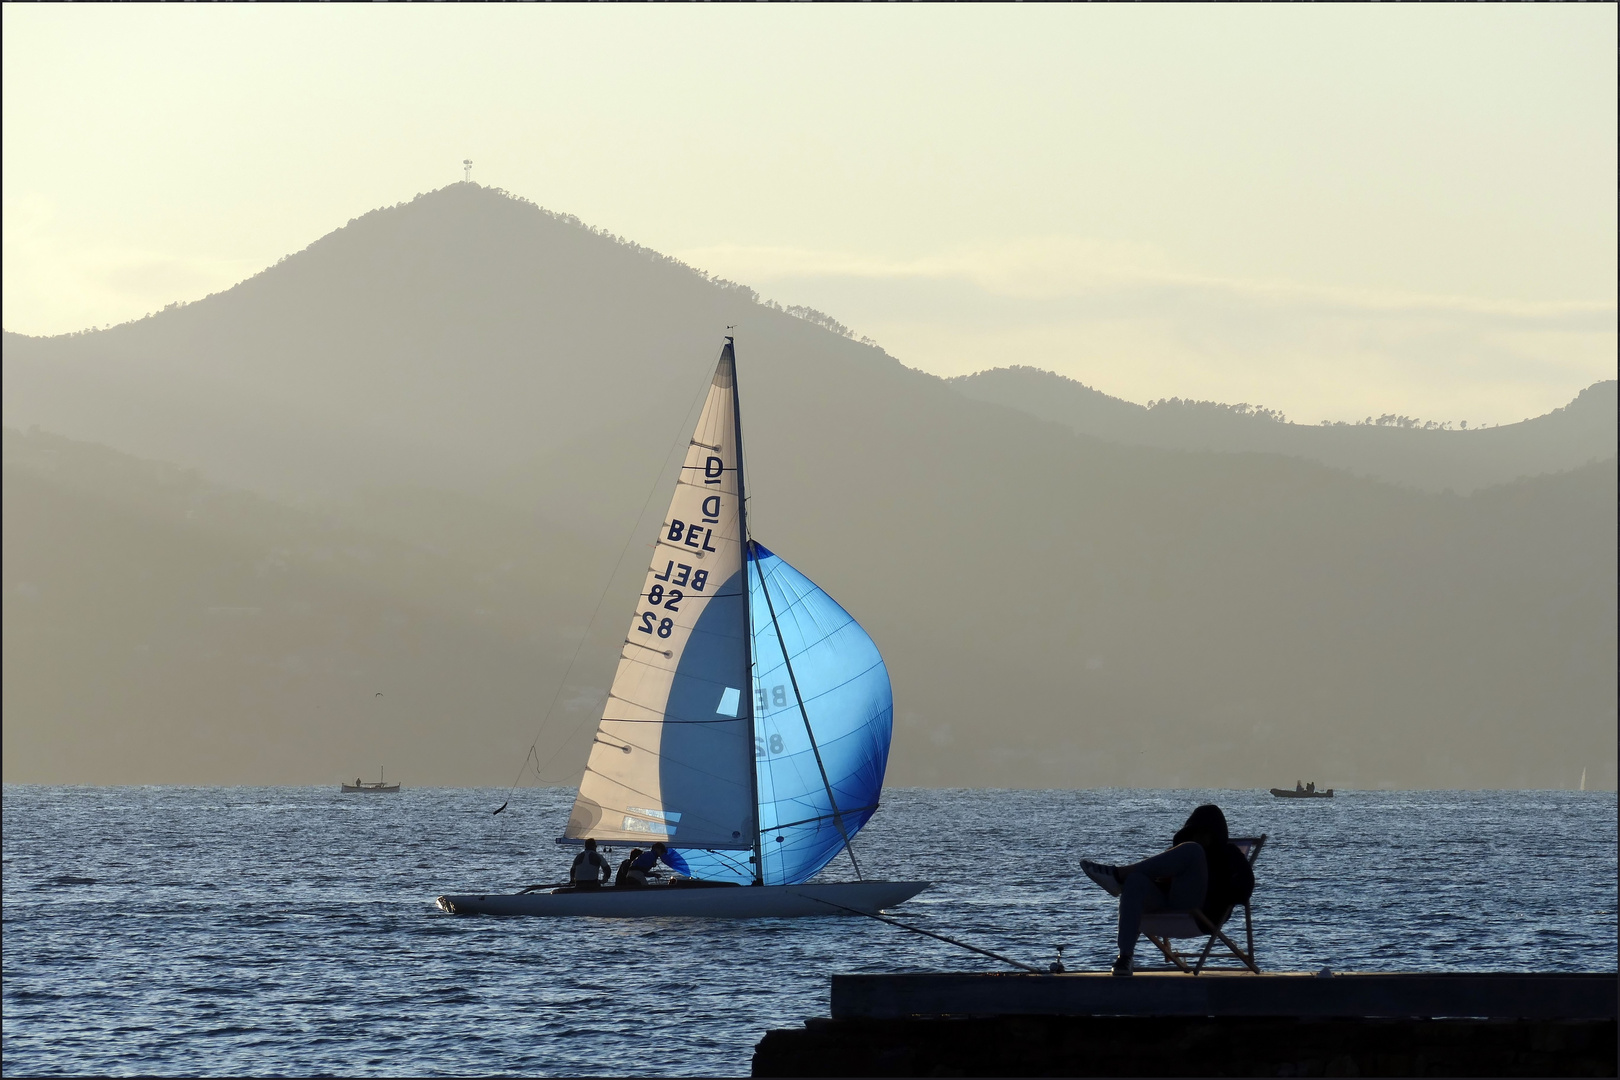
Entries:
{"x":292,"y":930}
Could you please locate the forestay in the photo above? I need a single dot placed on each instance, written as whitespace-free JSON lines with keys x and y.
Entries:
{"x":672,"y":758}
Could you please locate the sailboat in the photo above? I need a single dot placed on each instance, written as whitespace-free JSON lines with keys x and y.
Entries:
{"x":747,"y":727}
{"x":378,"y":786}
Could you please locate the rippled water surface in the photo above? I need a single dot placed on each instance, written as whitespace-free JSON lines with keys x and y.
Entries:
{"x":292,"y":930}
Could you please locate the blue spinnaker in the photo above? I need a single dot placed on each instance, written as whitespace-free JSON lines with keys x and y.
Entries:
{"x":845,"y":693}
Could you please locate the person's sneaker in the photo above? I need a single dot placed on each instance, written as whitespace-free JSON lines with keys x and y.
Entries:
{"x":1122,"y":965}
{"x":1104,"y":875}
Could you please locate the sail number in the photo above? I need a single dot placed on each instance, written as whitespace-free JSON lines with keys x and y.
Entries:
{"x":688,"y":534}
{"x":768,"y":697}
{"x":665,"y":627}
{"x":654,"y":622}
{"x":656,"y":596}
{"x":680,"y":574}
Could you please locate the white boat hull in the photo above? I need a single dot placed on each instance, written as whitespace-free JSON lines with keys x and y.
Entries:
{"x":662,"y":902}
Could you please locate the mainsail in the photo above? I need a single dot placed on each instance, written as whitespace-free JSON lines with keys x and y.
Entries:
{"x":750,"y":712}
{"x":672,"y":758}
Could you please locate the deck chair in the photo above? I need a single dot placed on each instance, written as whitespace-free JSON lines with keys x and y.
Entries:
{"x":1164,"y":927}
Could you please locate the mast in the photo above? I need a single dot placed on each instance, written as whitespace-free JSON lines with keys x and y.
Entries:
{"x":742,"y":522}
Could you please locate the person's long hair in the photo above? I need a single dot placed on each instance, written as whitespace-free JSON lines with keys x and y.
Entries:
{"x":1207,"y":825}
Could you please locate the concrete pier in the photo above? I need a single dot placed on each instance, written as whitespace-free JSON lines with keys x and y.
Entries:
{"x":1493,"y":1024}
{"x":1497,"y":996}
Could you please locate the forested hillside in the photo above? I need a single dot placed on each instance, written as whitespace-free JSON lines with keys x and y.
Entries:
{"x":1431,"y":454}
{"x":484,"y":398}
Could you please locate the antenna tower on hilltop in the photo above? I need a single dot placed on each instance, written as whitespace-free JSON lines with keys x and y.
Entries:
{"x":466,"y":171}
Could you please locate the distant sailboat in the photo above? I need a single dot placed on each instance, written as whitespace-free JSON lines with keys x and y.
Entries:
{"x":1583,"y":779}
{"x":748,"y":724}
{"x":378,"y":786}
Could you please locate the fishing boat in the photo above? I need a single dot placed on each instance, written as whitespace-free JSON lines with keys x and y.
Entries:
{"x":747,"y":727}
{"x":1302,"y":791}
{"x":378,"y":786}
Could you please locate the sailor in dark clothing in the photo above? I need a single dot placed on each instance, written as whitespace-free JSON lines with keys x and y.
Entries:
{"x":624,"y":868}
{"x":1201,"y":870}
{"x":642,"y":867}
{"x":589,"y":869}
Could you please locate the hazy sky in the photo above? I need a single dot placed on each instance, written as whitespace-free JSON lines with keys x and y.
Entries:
{"x":1332,"y":211}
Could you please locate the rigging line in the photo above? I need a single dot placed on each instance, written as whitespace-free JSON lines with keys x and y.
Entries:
{"x":693,"y":765}
{"x":929,"y":933}
{"x":636,"y":528}
{"x":838,"y":818}
{"x":818,"y":817}
{"x":667,"y":720}
{"x":799,"y":602}
{"x":735,"y":865}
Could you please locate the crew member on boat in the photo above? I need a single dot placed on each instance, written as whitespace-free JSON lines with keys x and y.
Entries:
{"x":642,"y":866}
{"x":589,"y":869}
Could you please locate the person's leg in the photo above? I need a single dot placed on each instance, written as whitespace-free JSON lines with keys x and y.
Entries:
{"x":1184,"y":861}
{"x":1185,"y":868}
{"x":1138,"y":895}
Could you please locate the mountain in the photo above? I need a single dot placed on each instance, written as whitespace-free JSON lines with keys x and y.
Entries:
{"x":165,"y":629}
{"x":501,"y":391}
{"x":1394,"y":448}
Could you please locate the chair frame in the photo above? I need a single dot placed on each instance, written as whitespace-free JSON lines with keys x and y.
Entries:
{"x":1245,"y":956}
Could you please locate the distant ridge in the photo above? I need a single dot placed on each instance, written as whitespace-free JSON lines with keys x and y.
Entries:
{"x":459,"y":407}
{"x":1462,"y":460}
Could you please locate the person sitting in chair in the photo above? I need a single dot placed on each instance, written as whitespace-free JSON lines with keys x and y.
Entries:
{"x":1201,"y":871}
{"x":589,"y":869}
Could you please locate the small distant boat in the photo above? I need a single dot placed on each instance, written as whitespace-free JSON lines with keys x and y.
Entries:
{"x":1302,"y":791}
{"x":378,"y":786}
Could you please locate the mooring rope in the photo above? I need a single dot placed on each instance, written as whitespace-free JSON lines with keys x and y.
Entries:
{"x":929,"y":933}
